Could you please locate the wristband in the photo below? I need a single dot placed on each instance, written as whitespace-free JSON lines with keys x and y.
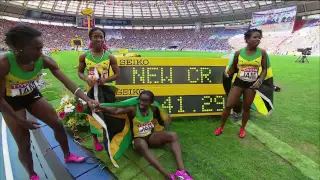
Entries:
{"x":75,"y":92}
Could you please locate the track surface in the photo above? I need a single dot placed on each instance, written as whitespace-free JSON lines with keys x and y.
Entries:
{"x":17,"y":169}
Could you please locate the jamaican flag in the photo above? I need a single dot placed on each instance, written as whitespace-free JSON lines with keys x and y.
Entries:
{"x":117,"y":129}
{"x":263,"y":100}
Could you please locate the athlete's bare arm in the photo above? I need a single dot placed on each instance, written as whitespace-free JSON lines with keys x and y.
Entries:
{"x":263,"y":65}
{"x":117,"y":111}
{"x":115,"y":69}
{"x":81,"y":67}
{"x":233,"y":67}
{"x":49,"y":63}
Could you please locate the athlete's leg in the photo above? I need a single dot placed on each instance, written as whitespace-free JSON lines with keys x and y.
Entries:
{"x":233,"y":98}
{"x":158,"y":139}
{"x":141,"y":145}
{"x":42,"y":110}
{"x":248,"y":98}
{"x":22,"y":138}
{"x":161,"y":138}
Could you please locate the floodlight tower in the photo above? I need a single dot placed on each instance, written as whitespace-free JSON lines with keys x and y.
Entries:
{"x":87,"y":12}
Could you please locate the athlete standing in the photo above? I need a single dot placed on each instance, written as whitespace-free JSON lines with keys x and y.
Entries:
{"x":19,"y":71}
{"x":99,"y":60}
{"x":246,"y":63}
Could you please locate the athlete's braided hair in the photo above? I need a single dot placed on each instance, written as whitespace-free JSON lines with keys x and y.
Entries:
{"x":96,"y":29}
{"x":249,"y":32}
{"x":19,"y":36}
{"x":148,"y":93}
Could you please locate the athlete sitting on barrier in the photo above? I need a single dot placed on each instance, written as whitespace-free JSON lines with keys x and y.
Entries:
{"x":19,"y":71}
{"x":145,"y":137}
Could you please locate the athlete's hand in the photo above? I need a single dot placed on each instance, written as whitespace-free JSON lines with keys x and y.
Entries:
{"x":102,"y":81}
{"x":90,"y":82}
{"x":99,"y":109}
{"x":93,"y":104}
{"x":29,"y":124}
{"x":256,"y":85}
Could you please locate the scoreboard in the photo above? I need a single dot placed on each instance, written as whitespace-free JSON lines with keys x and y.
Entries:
{"x":184,"y":86}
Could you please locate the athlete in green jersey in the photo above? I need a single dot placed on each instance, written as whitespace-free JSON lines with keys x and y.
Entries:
{"x":246,"y":63}
{"x":19,"y":72}
{"x":102,"y":68}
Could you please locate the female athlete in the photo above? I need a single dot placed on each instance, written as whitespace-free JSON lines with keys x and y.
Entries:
{"x":246,"y":64}
{"x":19,"y":72}
{"x":100,"y":60}
{"x":144,"y":137}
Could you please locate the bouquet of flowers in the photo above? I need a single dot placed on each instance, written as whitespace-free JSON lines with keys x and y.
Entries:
{"x":71,"y":112}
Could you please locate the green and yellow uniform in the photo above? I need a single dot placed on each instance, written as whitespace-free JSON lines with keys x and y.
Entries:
{"x":252,"y":62}
{"x":22,"y":87}
{"x":100,"y":66}
{"x":248,"y":66}
{"x":142,"y":126}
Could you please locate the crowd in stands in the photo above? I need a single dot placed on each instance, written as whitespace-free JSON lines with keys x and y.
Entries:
{"x":306,"y":34}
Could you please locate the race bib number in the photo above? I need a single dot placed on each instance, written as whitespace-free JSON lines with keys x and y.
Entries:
{"x":145,"y":128}
{"x":249,"y":74}
{"x":23,"y":88}
{"x":93,"y":74}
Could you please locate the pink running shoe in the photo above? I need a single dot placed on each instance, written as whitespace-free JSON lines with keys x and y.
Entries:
{"x":218,"y":131}
{"x":34,"y":177}
{"x":242,"y":133}
{"x":74,"y":158}
{"x":97,"y":146}
{"x":182,"y":174}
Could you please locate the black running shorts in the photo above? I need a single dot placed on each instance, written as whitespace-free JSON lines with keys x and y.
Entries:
{"x":23,"y":102}
{"x":243,"y":84}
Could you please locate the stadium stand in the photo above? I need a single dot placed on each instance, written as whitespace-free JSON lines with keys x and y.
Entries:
{"x":209,"y":39}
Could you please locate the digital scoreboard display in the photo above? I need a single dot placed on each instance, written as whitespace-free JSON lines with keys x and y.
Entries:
{"x":170,"y":75}
{"x":187,"y":105}
{"x":184,"y":86}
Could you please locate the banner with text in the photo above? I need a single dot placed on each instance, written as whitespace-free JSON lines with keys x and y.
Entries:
{"x":275,"y":20}
{"x":113,"y":22}
{"x":50,"y":16}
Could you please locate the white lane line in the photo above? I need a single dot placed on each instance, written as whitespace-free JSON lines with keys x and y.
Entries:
{"x":5,"y":150}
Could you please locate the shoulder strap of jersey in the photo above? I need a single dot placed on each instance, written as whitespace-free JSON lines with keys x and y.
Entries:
{"x":11,"y":60}
{"x":88,"y":53}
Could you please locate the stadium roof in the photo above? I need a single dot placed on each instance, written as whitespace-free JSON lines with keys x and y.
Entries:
{"x":143,"y":9}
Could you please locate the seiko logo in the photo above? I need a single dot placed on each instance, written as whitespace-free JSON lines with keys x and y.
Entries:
{"x":134,"y":62}
{"x":129,"y":92}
